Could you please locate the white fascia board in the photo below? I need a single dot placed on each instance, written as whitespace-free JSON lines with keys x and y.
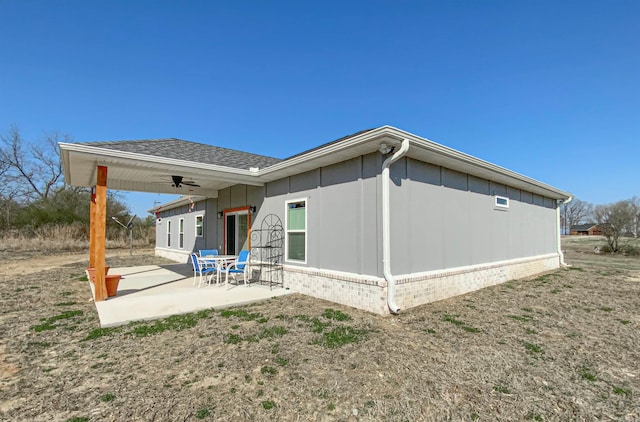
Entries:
{"x":475,"y":166}
{"x":127,"y":158}
{"x":427,"y":151}
{"x":178,"y":202}
{"x":332,"y":153}
{"x":65,"y":165}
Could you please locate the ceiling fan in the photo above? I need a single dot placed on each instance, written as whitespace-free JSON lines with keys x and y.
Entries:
{"x":178,"y":182}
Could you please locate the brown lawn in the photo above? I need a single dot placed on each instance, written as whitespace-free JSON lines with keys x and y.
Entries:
{"x":561,"y":346}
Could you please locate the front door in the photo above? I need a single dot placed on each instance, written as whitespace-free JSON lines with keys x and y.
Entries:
{"x":236,"y":230}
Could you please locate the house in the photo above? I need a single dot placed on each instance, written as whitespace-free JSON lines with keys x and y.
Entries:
{"x":380,"y":220}
{"x":588,"y":229}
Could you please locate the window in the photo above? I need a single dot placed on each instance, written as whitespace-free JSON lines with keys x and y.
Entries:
{"x":181,"y":233}
{"x":199,"y":227}
{"x":502,"y":202}
{"x":168,"y":233}
{"x":296,"y":223}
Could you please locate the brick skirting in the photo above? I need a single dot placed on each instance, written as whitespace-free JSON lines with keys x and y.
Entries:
{"x":369,"y":293}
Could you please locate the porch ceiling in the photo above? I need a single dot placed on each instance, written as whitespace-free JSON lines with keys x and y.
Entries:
{"x":140,"y":173}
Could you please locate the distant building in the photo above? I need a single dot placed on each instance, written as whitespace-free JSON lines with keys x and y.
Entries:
{"x":588,"y":229}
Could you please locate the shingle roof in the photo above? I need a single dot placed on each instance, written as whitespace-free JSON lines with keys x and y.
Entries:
{"x":586,"y":226}
{"x":189,"y":151}
{"x":329,"y":143}
{"x":202,"y":153}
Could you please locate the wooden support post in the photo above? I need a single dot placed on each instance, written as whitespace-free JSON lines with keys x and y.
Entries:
{"x":100,"y":234}
{"x":92,"y":229}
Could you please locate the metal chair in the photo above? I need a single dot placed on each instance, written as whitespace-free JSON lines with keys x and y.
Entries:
{"x":208,"y":252}
{"x":239,"y":266}
{"x":199,"y":270}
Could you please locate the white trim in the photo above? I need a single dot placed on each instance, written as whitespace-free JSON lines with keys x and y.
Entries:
{"x":237,"y":245}
{"x":501,"y":202}
{"x":167,"y":240}
{"x":176,"y":203}
{"x":195,"y":230}
{"x":287,"y":231}
{"x":136,"y":157}
{"x":421,"y":148}
{"x":181,"y":233}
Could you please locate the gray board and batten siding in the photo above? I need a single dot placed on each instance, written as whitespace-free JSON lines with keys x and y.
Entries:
{"x":440,"y":218}
{"x":213,"y":228}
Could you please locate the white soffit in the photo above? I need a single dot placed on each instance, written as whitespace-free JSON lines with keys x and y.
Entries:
{"x":145,"y":173}
{"x":420,"y":149}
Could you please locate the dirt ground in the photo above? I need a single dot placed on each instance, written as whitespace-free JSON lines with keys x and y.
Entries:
{"x":561,"y":346}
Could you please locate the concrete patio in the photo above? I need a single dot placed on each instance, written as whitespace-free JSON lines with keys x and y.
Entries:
{"x":153,"y":291}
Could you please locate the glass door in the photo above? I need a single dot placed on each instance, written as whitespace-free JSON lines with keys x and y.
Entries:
{"x":236,"y":231}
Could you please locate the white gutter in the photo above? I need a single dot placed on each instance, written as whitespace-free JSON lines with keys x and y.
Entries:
{"x":560,"y":253}
{"x":386,"y":226}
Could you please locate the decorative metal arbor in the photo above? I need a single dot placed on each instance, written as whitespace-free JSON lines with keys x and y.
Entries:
{"x":267,"y":251}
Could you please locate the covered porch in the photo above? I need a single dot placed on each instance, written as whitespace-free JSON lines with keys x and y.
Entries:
{"x":198,"y":170}
{"x":156,"y":291}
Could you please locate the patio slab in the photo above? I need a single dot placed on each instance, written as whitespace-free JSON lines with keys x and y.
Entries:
{"x":152,"y":292}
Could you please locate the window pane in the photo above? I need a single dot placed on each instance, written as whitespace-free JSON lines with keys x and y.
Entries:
{"x":296,"y":218}
{"x":231,"y":234}
{"x":199,"y":225}
{"x":296,"y":246}
{"x":243,"y":230}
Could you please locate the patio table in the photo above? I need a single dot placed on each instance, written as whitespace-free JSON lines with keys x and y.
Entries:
{"x":218,"y":261}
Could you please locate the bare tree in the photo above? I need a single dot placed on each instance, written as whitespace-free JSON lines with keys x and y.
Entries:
{"x":30,"y":171}
{"x":615,"y":220}
{"x":635,"y":203}
{"x":574,"y":212}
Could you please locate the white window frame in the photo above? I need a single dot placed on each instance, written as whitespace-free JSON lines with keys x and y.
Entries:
{"x":236,"y":234}
{"x":201,"y":218}
{"x":287,"y":231}
{"x":168,"y":233}
{"x":181,"y":233}
{"x":501,"y":202}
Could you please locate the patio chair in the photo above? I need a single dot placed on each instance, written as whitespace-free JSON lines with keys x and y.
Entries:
{"x":239,"y":266}
{"x":208,"y":252}
{"x":199,"y":270}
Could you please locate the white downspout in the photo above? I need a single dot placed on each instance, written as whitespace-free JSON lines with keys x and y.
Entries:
{"x":560,"y":253}
{"x":386,"y":225}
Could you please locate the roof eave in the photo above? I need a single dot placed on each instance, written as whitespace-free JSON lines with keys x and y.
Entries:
{"x":136,"y":157}
{"x":420,"y":148}
{"x":465,"y":163}
{"x":102,"y":156}
{"x":178,"y":202}
{"x":331,"y":154}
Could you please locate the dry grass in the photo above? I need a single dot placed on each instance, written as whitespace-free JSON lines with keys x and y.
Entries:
{"x":561,"y":346}
{"x":71,"y":238}
{"x":589,"y":243}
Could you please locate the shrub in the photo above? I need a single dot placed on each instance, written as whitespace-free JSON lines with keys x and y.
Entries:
{"x":624,"y":249}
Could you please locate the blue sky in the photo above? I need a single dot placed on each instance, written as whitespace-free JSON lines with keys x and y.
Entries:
{"x":549,"y":89}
